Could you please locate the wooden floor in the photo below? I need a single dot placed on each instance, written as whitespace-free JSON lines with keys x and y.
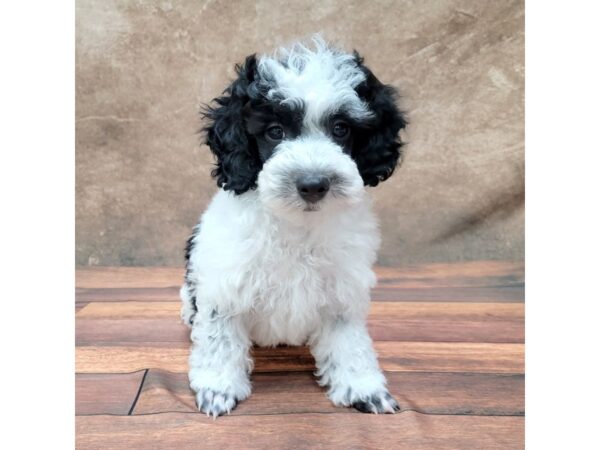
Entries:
{"x":449,"y":337}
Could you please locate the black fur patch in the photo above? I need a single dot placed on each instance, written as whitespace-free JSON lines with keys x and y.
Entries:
{"x":376,"y":148}
{"x":238,"y":161}
{"x":237,"y":121}
{"x":190,"y":284}
{"x":260,"y":114}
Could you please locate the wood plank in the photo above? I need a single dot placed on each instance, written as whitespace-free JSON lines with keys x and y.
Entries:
{"x":469,"y":281}
{"x":407,"y":430}
{"x":482,"y":281}
{"x":162,"y":294}
{"x":155,"y":310}
{"x":128,"y":277}
{"x":165,"y":391}
{"x":131,"y":310}
{"x":130,"y":331}
{"x":447,"y":322}
{"x":509,"y":294}
{"x":163,"y":332}
{"x":393,"y":356}
{"x":459,"y":273}
{"x":479,"y":294}
{"x":106,"y":393}
{"x":132,"y":323}
{"x":441,"y":309}
{"x":451,"y":357}
{"x":298,"y":392}
{"x":446,"y":330}
{"x":120,"y":359}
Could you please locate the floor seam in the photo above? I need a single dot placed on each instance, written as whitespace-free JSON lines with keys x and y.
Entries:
{"x":137,"y":396}
{"x":303,"y":413}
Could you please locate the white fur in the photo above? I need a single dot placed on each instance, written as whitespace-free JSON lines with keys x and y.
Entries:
{"x":322,"y":79}
{"x":279,"y":275}
{"x":269,"y":268}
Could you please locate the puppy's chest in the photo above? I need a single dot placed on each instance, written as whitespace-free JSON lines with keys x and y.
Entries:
{"x":302,"y":276}
{"x":295,"y":288}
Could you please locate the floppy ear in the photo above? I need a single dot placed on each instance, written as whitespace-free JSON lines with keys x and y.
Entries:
{"x":377,"y":148}
{"x":238,"y":163}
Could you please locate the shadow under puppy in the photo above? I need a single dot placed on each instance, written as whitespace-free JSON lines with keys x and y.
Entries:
{"x":284,"y":252}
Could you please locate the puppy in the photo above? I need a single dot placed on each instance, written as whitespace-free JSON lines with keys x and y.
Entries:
{"x":284,"y":252}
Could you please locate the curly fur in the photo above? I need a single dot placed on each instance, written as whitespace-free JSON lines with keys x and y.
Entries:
{"x":237,"y":156}
{"x":377,"y":148}
{"x":266,"y":264}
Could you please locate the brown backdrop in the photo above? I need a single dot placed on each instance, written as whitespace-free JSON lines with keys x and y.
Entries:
{"x":144,"y":68}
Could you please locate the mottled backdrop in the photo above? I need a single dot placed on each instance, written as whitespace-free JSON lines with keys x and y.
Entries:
{"x":145,"y":67}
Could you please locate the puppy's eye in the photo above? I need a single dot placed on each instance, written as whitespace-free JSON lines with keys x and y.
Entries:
{"x":275,"y":133}
{"x":340,"y":130}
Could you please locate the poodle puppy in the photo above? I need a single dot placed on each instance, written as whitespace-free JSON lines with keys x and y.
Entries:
{"x":284,"y":252}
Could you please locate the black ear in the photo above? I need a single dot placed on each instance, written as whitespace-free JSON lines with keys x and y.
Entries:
{"x":377,"y":148}
{"x":238,"y":163}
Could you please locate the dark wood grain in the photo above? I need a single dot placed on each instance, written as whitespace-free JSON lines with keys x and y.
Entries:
{"x":511,"y":294}
{"x":466,"y":273}
{"x":446,"y":330}
{"x":106,"y":393}
{"x":139,"y":323}
{"x":474,"y":281}
{"x":471,"y":294}
{"x":161,"y":332}
{"x":157,"y":294}
{"x":407,"y":430}
{"x":131,"y":310}
{"x":393,"y":356}
{"x":298,"y":392}
{"x":128,"y":277}
{"x":130,"y":331}
{"x":449,"y":337}
{"x":155,"y":310}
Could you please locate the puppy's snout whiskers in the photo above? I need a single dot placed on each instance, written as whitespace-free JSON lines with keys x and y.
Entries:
{"x":339,"y":187}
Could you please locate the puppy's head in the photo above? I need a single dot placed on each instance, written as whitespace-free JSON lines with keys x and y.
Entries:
{"x":308,"y":128}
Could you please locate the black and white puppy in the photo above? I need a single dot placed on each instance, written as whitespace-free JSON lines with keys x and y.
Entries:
{"x":284,"y":252}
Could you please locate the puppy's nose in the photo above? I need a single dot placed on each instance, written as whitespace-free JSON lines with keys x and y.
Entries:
{"x":312,"y":188}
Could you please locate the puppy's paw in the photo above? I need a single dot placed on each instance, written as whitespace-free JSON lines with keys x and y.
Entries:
{"x":215,"y":403}
{"x":378,"y":403}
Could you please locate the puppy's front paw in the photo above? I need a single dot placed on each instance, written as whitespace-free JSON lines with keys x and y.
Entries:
{"x":215,"y":403}
{"x":381,"y":402}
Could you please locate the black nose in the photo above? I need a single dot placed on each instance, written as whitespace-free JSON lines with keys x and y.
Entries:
{"x":312,"y":188}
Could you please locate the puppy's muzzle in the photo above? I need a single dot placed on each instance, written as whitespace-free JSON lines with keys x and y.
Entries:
{"x":312,"y":188}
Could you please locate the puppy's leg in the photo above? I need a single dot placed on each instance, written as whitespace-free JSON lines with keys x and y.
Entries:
{"x":188,"y":311}
{"x":347,"y":363}
{"x":219,"y":362}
